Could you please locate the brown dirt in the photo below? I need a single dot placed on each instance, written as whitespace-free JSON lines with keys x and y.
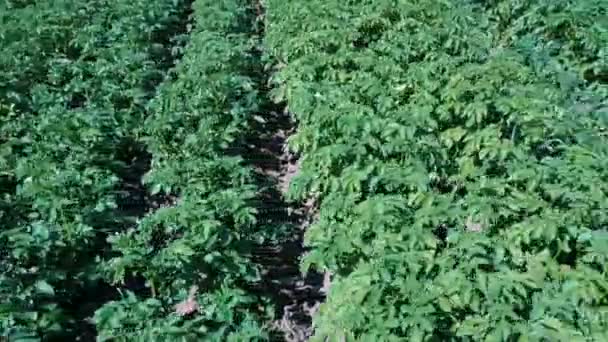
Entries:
{"x":295,"y":296}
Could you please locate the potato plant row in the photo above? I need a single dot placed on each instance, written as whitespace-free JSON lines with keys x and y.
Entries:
{"x":75,"y":80}
{"x":459,"y":154}
{"x":201,"y":235}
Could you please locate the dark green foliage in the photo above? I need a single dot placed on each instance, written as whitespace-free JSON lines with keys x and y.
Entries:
{"x":202,"y":238}
{"x":458,"y":149}
{"x":459,"y":152}
{"x":75,"y":78}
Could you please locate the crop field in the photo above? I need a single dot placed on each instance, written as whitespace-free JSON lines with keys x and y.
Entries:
{"x":319,"y":170}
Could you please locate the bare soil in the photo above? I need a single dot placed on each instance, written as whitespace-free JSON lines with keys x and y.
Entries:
{"x":296,"y":296}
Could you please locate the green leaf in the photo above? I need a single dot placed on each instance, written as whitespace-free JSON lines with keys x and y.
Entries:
{"x":44,"y":288}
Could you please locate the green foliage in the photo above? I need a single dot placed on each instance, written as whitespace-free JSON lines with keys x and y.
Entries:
{"x":459,"y":152}
{"x":458,"y":149}
{"x":203,"y":238}
{"x":75,"y":77}
{"x":134,"y":319}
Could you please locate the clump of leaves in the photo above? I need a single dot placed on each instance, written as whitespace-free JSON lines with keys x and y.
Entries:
{"x":458,"y":186}
{"x":203,"y":238}
{"x":75,"y":78}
